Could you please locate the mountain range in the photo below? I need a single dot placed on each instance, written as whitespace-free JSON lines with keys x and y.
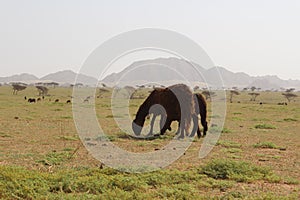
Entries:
{"x":171,"y":70}
{"x":62,"y":77}
{"x":165,"y":71}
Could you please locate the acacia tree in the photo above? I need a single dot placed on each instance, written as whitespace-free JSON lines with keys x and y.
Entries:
{"x":208,"y":94}
{"x":17,"y":87}
{"x":290,"y":90}
{"x":232,"y":93}
{"x":253,"y":95}
{"x":289,"y":96}
{"x":43,"y":91}
{"x":253,"y":88}
{"x":196,"y":88}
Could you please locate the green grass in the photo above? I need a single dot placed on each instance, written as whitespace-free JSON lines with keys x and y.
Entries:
{"x":73,"y":183}
{"x":71,"y":172}
{"x":56,"y":158}
{"x":228,"y":144}
{"x":4,"y":135}
{"x":266,"y":145}
{"x":290,"y":120}
{"x":264,"y":126}
{"x":72,"y":138}
{"x":236,"y":170}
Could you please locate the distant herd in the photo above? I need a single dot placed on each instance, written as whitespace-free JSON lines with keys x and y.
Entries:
{"x":34,"y":100}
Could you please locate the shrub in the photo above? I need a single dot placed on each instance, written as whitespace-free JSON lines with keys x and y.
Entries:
{"x":266,"y":145}
{"x":235,"y":170}
{"x":264,"y":126}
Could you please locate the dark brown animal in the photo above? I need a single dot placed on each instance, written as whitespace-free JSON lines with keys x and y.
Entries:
{"x":175,"y":102}
{"x":200,"y":108}
{"x":39,"y":99}
{"x":68,"y":101}
{"x":31,"y":100}
{"x":56,"y":100}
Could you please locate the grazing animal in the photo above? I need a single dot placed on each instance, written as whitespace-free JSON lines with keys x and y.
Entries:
{"x":176,"y":102}
{"x":25,"y":98}
{"x":86,"y":100}
{"x":283,"y":103}
{"x":200,"y":108}
{"x":68,"y":101}
{"x":56,"y":100}
{"x":31,"y":100}
{"x":39,"y":99}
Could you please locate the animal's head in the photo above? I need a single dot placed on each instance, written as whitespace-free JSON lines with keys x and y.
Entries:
{"x":137,"y":125}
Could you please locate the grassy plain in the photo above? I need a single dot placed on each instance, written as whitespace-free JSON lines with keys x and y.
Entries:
{"x":42,"y":157}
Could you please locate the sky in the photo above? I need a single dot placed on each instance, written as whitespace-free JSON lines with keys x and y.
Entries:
{"x":258,"y":37}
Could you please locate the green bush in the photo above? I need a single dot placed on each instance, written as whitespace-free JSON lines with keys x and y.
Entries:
{"x":264,"y":126}
{"x":266,"y":145}
{"x":235,"y":170}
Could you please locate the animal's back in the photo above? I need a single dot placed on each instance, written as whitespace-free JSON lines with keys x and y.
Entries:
{"x":180,"y":102}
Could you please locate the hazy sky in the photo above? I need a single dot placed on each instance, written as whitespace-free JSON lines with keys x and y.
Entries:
{"x":258,"y":37}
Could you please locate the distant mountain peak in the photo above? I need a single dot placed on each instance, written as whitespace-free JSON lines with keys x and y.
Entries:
{"x":170,"y":70}
{"x":148,"y":72}
{"x":64,"y":76}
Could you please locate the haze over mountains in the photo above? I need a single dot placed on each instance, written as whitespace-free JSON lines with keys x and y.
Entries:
{"x":165,"y":71}
{"x":157,"y":70}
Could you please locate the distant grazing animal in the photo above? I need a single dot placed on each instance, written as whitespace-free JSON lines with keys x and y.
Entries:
{"x":31,"y":100}
{"x":25,"y":98}
{"x":283,"y":103}
{"x":39,"y":99}
{"x":200,"y":108}
{"x":56,"y":100}
{"x":68,"y":101}
{"x":86,"y":100}
{"x":176,"y":102}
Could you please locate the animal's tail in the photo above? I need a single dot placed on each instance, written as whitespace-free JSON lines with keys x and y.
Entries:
{"x":202,"y":110}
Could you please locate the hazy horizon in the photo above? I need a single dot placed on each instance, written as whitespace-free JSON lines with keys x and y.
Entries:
{"x":255,"y":37}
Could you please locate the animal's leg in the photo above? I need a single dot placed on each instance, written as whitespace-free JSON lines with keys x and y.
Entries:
{"x":178,"y":130}
{"x":166,"y":126}
{"x":204,"y":124}
{"x":182,"y":128}
{"x":152,"y":124}
{"x":196,"y":126}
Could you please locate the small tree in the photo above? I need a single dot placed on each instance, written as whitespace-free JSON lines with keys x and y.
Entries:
{"x":43,"y":91}
{"x":208,"y":94}
{"x":253,"y":95}
{"x":253,"y":88}
{"x":17,"y":87}
{"x":232,"y":93}
{"x":289,"y":96}
{"x":196,"y":88}
{"x":290,"y":90}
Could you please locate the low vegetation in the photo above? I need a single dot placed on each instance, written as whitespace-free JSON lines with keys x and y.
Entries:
{"x":17,"y":182}
{"x":42,"y":156}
